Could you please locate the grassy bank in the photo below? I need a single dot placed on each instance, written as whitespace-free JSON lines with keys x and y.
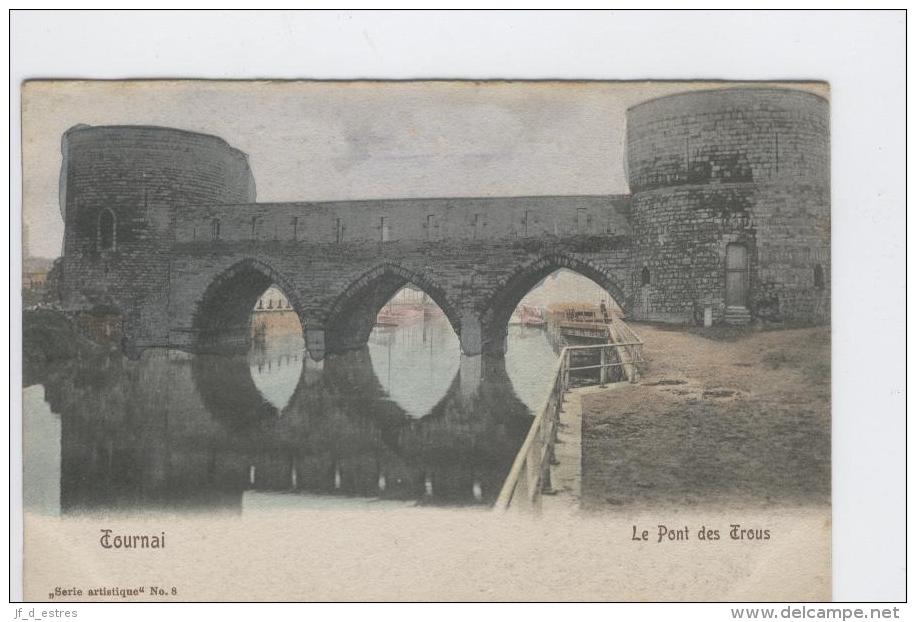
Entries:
{"x":741,"y":420}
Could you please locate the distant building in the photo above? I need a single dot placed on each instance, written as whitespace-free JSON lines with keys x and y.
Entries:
{"x":272,"y":300}
{"x":410,"y":296}
{"x":34,"y":269}
{"x":34,"y":276}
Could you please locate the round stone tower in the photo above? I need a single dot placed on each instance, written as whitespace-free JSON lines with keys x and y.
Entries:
{"x":119,"y":186}
{"x":731,"y":206}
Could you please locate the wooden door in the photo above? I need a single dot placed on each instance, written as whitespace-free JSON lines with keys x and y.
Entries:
{"x":736,"y":281}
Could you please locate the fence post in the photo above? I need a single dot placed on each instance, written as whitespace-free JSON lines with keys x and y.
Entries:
{"x":638,"y":355}
{"x":602,"y":377}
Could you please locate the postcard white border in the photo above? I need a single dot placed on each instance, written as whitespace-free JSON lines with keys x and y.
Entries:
{"x":862,"y":55}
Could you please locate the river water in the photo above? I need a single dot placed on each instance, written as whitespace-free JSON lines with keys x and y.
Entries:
{"x":406,"y":420}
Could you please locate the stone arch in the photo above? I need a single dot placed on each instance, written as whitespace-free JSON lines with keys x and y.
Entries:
{"x":222,"y":315}
{"x":351,"y":317}
{"x":499,"y":307}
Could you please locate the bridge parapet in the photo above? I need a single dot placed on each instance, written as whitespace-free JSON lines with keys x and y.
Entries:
{"x":431,"y":220}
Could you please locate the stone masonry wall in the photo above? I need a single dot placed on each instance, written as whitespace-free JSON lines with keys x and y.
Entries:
{"x":738,"y":165}
{"x":680,"y":236}
{"x":141,"y":175}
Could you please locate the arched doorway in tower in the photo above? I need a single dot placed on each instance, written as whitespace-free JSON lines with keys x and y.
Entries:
{"x":414,"y":350}
{"x":559,"y":309}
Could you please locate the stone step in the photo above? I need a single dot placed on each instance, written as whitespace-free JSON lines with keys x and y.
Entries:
{"x":737,"y":315}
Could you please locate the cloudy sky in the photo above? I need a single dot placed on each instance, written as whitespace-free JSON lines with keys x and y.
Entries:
{"x":356,"y":140}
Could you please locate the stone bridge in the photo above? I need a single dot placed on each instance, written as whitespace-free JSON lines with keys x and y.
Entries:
{"x":162,"y":228}
{"x":729,"y":213}
{"x":340,"y":263}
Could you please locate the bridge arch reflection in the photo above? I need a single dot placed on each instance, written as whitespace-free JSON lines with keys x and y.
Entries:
{"x":342,"y":434}
{"x":199,"y":433}
{"x":333,"y":427}
{"x":416,"y":361}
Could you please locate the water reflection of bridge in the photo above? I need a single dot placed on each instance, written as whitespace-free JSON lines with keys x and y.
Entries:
{"x":173,"y":431}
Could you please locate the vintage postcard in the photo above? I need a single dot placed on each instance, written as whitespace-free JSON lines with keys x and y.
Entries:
{"x":426,"y":341}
